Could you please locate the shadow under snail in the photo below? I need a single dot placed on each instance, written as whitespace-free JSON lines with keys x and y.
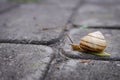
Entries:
{"x":93,"y":43}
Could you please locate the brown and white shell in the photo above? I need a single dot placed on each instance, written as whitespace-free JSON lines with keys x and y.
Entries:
{"x":94,"y":41}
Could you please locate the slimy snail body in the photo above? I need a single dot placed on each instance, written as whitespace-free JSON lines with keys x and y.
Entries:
{"x":93,"y":43}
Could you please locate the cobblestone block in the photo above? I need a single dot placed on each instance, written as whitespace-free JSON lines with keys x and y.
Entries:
{"x":24,"y":62}
{"x":98,"y":13}
{"x":36,"y":22}
{"x":77,"y":70}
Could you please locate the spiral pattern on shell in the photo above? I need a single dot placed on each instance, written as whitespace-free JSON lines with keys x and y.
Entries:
{"x":94,"y":42}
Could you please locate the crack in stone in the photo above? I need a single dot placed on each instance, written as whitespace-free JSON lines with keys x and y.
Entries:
{"x":99,"y":27}
{"x":105,"y":27}
{"x":80,"y":3}
{"x":47,"y":68}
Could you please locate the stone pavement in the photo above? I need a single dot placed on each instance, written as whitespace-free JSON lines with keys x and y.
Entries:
{"x":33,"y":44}
{"x":6,"y":6}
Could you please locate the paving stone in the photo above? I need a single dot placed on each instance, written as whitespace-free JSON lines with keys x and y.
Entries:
{"x":24,"y":62}
{"x":29,"y":21}
{"x":103,"y":1}
{"x":76,"y":70}
{"x":112,"y":38}
{"x":98,"y":13}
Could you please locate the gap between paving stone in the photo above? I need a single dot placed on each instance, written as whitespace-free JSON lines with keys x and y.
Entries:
{"x":80,"y":3}
{"x":47,"y":68}
{"x":104,"y":27}
{"x":97,"y":27}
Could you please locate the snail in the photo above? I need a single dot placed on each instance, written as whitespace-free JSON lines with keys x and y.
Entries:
{"x":94,"y":43}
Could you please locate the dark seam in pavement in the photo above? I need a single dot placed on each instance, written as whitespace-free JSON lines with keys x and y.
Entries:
{"x":80,"y":3}
{"x":47,"y":68}
{"x":102,"y":58}
{"x":96,"y":3}
{"x":9,"y":8}
{"x":104,"y":27}
{"x":117,"y":27}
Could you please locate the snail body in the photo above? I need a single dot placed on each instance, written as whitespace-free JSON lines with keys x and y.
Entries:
{"x":93,"y":42}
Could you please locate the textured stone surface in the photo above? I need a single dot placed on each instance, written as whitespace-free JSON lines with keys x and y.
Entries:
{"x":75,"y":70}
{"x":28,"y":21}
{"x":104,"y":1}
{"x":41,"y":23}
{"x":5,"y":5}
{"x":98,"y":13}
{"x":24,"y":62}
{"x":112,"y":37}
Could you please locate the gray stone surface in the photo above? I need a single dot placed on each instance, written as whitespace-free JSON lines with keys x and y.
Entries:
{"x":42,"y":23}
{"x":27,"y":21}
{"x":24,"y":62}
{"x":104,"y":1}
{"x":112,"y":38}
{"x":98,"y":13}
{"x":77,"y":70}
{"x":5,"y":5}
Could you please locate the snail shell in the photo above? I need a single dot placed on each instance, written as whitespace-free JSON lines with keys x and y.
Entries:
{"x":94,"y":42}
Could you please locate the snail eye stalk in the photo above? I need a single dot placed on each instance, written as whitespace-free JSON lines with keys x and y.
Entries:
{"x":69,"y":38}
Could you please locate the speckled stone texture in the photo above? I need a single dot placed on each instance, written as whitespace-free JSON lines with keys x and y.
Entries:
{"x":77,"y":70}
{"x":28,"y":34}
{"x":28,"y":22}
{"x":6,"y":6}
{"x":24,"y":62}
{"x":98,"y":13}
